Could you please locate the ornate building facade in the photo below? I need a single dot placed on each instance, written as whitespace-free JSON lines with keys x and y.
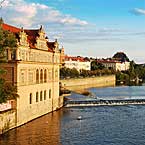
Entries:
{"x":33,"y":67}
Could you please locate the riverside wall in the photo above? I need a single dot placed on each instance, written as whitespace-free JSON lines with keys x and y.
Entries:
{"x":7,"y":120}
{"x":80,"y":84}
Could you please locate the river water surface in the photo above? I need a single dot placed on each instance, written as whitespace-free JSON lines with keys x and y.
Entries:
{"x":104,"y":125}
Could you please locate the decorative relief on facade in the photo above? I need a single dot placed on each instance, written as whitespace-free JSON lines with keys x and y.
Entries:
{"x":22,"y":76}
{"x":22,"y":55}
{"x":31,"y":76}
{"x":23,"y":38}
{"x":56,"y":74}
{"x":41,"y":41}
{"x":49,"y":75}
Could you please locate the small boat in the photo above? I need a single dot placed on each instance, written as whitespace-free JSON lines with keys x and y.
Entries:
{"x":79,"y":118}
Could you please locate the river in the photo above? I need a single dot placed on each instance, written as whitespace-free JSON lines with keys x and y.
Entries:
{"x":104,"y":125}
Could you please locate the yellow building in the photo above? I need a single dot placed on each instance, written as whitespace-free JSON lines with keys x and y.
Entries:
{"x":33,"y":67}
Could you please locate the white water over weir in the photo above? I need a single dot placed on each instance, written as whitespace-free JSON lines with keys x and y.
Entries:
{"x":103,"y":102}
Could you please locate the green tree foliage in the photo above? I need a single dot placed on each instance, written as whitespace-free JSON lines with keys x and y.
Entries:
{"x":68,"y":73}
{"x":73,"y":73}
{"x":7,"y":92}
{"x":133,"y":76}
{"x":7,"y":40}
{"x":122,"y":78}
{"x":95,"y":65}
{"x":120,"y":56}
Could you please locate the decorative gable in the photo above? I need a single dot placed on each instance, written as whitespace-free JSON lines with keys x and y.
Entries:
{"x":23,"y":38}
{"x":56,"y":46}
{"x":41,"y":42}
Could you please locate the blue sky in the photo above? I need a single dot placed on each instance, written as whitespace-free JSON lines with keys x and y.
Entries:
{"x":95,"y":28}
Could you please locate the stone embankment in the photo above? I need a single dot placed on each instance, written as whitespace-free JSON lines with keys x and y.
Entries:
{"x":80,"y":84}
{"x":7,"y":120}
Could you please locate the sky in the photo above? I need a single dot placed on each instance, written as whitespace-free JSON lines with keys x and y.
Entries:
{"x":92,"y":28}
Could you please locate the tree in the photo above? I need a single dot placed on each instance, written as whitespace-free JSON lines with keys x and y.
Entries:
{"x":96,"y":65}
{"x":121,"y":56}
{"x":74,"y":73}
{"x":69,"y":73}
{"x":7,"y":40}
{"x":7,"y":92}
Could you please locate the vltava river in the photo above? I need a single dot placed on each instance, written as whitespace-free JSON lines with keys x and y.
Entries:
{"x":104,"y":125}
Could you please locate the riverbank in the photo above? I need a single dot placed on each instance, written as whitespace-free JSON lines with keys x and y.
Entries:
{"x":80,"y":85}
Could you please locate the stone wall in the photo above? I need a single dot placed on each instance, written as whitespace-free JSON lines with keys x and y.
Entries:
{"x":7,"y":120}
{"x":83,"y":83}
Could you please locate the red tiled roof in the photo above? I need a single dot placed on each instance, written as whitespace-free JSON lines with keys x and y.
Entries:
{"x":107,"y":61}
{"x":32,"y":34}
{"x":51,"y":45}
{"x":73,"y":58}
{"x":10,"y":28}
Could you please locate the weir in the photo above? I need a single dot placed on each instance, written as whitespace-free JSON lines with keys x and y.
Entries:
{"x":102,"y":102}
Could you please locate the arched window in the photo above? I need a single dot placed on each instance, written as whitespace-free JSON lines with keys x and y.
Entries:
{"x":45,"y":76}
{"x":49,"y":93}
{"x":41,"y":76}
{"x":41,"y":96}
{"x":45,"y":95}
{"x":30,"y":98}
{"x":36,"y":96}
{"x":37,"y":76}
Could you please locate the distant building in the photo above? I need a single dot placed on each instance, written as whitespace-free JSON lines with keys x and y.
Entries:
{"x":79,"y":63}
{"x":33,"y":67}
{"x":119,"y":62}
{"x":114,"y":64}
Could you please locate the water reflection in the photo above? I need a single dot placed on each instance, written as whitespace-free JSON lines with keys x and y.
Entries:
{"x":42,"y":131}
{"x":121,"y":92}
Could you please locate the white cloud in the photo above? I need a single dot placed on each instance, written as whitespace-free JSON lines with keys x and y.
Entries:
{"x":71,"y":20}
{"x":76,"y":35}
{"x":31,"y":14}
{"x":138,"y":11}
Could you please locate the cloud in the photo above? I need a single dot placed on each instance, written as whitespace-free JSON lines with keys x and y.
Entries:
{"x":73,"y":33}
{"x":32,"y":14}
{"x":138,"y":11}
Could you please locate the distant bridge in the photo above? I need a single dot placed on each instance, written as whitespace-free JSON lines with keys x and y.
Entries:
{"x":101,"y":102}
